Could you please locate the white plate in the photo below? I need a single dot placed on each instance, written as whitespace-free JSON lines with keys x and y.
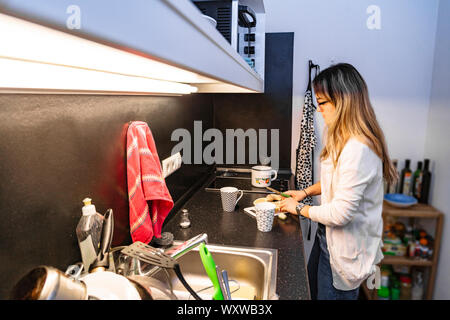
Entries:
{"x":106,"y":285}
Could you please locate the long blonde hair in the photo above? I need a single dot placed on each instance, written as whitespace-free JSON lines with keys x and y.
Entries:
{"x":344,"y":87}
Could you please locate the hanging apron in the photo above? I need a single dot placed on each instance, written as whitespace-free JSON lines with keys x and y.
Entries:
{"x":305,"y":150}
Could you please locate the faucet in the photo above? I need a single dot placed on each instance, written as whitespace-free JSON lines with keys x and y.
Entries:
{"x":177,"y":252}
{"x":185,"y":247}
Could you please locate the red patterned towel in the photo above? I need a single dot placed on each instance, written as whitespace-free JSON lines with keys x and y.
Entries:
{"x":145,"y":183}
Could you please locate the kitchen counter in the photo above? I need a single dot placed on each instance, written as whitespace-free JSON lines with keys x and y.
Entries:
{"x":239,"y":228}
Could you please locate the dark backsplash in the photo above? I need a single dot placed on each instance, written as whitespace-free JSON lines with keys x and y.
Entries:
{"x":269,"y":110}
{"x":58,"y":149}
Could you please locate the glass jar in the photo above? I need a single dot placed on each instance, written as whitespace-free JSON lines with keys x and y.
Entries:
{"x":417,"y":288}
{"x":185,"y":222}
{"x":405,"y":288}
{"x":385,"y":278}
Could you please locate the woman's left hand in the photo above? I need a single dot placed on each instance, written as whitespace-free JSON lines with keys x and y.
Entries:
{"x":288,"y":205}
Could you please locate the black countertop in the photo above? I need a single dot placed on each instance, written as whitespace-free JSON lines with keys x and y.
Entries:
{"x":239,"y":228}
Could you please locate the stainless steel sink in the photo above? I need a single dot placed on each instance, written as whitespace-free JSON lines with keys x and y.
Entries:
{"x":252,"y":272}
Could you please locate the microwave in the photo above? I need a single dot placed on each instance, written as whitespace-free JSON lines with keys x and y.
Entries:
{"x":242,"y":24}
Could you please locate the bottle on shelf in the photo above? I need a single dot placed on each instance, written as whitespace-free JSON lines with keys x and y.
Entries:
{"x":405,"y":287}
{"x":417,"y":181}
{"x":426,"y":182}
{"x":417,"y":289}
{"x":406,"y":179}
{"x":89,"y":231}
{"x":385,"y":278}
{"x":383,"y":293}
{"x":393,"y":188}
{"x":395,"y":291}
{"x":411,"y":249}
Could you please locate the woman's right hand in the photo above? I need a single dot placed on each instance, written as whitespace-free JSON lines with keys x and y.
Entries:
{"x":298,"y":195}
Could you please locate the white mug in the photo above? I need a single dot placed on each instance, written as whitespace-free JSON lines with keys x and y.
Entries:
{"x":265,"y":211}
{"x":262,"y":176}
{"x":229,"y":196}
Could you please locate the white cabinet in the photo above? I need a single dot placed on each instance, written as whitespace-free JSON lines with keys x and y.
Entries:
{"x":165,"y":32}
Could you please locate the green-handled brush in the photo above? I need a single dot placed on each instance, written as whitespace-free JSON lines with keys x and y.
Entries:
{"x":210,"y":267}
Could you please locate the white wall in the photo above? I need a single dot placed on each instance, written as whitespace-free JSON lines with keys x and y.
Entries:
{"x":396,"y":61}
{"x":437,"y":146}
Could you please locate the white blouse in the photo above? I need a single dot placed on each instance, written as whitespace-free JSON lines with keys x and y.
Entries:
{"x":352,"y":202}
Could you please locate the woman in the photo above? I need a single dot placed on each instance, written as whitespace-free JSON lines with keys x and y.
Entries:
{"x":354,"y":162}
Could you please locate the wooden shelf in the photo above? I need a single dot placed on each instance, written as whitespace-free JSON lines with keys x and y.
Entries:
{"x":395,"y":260}
{"x":419,"y":210}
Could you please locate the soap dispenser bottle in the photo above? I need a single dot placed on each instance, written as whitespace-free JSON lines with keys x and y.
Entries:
{"x":89,"y":231}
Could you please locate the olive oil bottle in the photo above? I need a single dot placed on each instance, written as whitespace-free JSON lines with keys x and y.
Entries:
{"x":406,"y":179}
{"x":426,"y":182}
{"x":417,"y":181}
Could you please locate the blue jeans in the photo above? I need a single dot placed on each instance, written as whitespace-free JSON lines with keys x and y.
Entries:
{"x":323,"y":280}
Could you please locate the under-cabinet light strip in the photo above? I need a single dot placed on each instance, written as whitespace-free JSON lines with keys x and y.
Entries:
{"x":18,"y":74}
{"x":64,"y":61}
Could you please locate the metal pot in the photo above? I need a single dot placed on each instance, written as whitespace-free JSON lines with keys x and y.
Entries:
{"x":158,"y":289}
{"x":48,"y":283}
